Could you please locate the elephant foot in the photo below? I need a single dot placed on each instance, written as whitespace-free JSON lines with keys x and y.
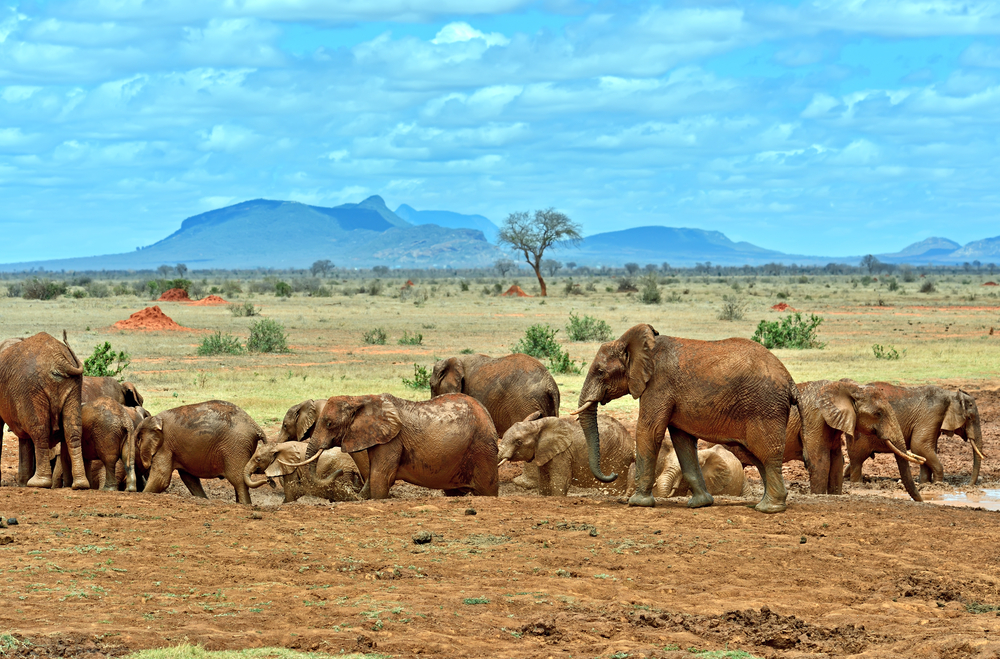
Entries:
{"x":700,"y":500}
{"x":769,"y":507}
{"x":81,"y":483}
{"x":40,"y":481}
{"x":644,"y":500}
{"x":524,"y":482}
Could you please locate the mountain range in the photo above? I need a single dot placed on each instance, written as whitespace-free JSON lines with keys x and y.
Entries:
{"x":264,"y":233}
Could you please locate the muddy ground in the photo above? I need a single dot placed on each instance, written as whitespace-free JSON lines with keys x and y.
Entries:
{"x":94,"y":573}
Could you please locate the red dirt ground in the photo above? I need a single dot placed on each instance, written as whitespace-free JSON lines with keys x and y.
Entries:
{"x":782,"y":306}
{"x":514,"y":291}
{"x":210,"y":301}
{"x":149,"y":319}
{"x":174,"y":295}
{"x":860,"y":575}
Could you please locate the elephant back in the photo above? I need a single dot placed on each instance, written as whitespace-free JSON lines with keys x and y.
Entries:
{"x":511,"y":388}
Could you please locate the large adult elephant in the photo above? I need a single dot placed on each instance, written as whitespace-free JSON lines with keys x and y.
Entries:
{"x":558,"y":449}
{"x":924,"y":413}
{"x":214,"y":439}
{"x":40,"y":398}
{"x":863,"y":414}
{"x":300,"y":421}
{"x":511,"y":388}
{"x":732,"y":392}
{"x":447,"y":443}
{"x":337,"y":475}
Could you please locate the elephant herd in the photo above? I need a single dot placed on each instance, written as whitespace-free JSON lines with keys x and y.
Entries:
{"x":486,"y":411}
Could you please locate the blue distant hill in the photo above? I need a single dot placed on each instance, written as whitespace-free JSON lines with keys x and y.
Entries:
{"x":450,"y":220}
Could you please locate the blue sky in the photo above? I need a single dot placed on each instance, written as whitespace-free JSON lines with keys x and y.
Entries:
{"x":833,"y":127}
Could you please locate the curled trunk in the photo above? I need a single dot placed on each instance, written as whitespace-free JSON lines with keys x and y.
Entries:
{"x":588,"y":422}
{"x":248,"y":478}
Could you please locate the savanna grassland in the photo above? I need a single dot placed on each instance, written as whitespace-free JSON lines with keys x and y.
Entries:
{"x":855,"y":575}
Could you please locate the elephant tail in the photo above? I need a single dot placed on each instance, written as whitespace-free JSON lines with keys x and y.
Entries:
{"x":75,"y":368}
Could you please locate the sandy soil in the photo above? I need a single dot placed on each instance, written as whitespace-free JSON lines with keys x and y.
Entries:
{"x":94,"y":573}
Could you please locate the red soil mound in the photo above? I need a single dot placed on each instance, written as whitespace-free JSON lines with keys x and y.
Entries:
{"x":990,"y":283}
{"x":782,"y":306}
{"x":408,"y":284}
{"x":515,"y":291}
{"x":150,"y":318}
{"x":209,"y":301}
{"x":174,"y":295}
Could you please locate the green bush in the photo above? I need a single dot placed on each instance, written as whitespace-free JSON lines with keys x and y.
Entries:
{"x":97,"y":289}
{"x":15,"y":289}
{"x":887,"y":352}
{"x":464,"y":284}
{"x":43,"y":289}
{"x":374,"y":288}
{"x":375,"y":336}
{"x":587,"y":329}
{"x":733,"y":308}
{"x":790,"y":332}
{"x":267,"y":335}
{"x":650,"y":291}
{"x":281,"y":289}
{"x":421,"y":378}
{"x":539,"y":341}
{"x":220,"y":344}
{"x":927,"y":287}
{"x":240,"y":309}
{"x":408,"y":339}
{"x":627,"y":285}
{"x":105,"y":362}
{"x":78,"y":294}
{"x":893,"y":284}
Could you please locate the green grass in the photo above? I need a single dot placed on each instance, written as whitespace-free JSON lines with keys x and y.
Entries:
{"x":197,"y":652}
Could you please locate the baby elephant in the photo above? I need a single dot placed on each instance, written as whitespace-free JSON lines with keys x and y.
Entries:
{"x":109,"y":436}
{"x":337,"y":477}
{"x":214,"y":439}
{"x":722,"y":470}
{"x":558,"y":448}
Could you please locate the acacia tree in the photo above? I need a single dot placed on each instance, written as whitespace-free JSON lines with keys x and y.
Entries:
{"x":533,"y":234}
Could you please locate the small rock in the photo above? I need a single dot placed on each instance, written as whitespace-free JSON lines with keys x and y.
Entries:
{"x":593,"y":533}
{"x":12,"y":521}
{"x":422,"y":538}
{"x":253,"y":515}
{"x":6,"y":540}
{"x":3,"y":524}
{"x":802,"y":540}
{"x":470,"y":511}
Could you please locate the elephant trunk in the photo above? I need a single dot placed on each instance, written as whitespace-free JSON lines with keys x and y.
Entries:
{"x":976,"y":439}
{"x":248,"y":478}
{"x":666,"y":484}
{"x":588,"y":422}
{"x":907,"y":477}
{"x":328,"y":481}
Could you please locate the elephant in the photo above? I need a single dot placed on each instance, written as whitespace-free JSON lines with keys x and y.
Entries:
{"x":124,"y":393}
{"x":337,"y":476}
{"x":511,"y":388}
{"x":732,"y":392}
{"x":924,"y":413}
{"x":723,"y":473}
{"x":559,"y":450}
{"x":863,"y":414}
{"x":202,"y":440}
{"x":446,"y":443}
{"x":109,"y":435}
{"x":299,"y":421}
{"x":40,"y":399}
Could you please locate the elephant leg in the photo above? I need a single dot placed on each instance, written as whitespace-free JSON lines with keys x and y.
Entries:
{"x":384,"y":461}
{"x":819,"y":473}
{"x":836,"y":485}
{"x":43,"y":468}
{"x":193,"y":484}
{"x":648,"y":438}
{"x":25,"y":460}
{"x":545,"y":485}
{"x":686,"y":450}
{"x":528,"y":478}
{"x":906,"y":476}
{"x":485,"y":481}
{"x":161,"y":469}
{"x":72,"y":430}
{"x":924,"y":444}
{"x":110,"y":478}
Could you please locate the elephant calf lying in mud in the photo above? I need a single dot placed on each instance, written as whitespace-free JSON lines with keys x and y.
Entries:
{"x":722,"y":470}
{"x":337,"y":477}
{"x":558,"y":448}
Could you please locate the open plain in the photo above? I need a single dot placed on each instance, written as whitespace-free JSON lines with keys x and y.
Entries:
{"x":868,"y":574}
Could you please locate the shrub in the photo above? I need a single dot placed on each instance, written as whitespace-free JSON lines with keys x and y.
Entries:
{"x":561,"y":363}
{"x":650,"y":291}
{"x":927,"y":287}
{"x":167,"y":284}
{"x":267,"y":335}
{"x":627,"y":285}
{"x":421,"y":378}
{"x":123,"y":289}
{"x":887,"y":352}
{"x":15,"y":289}
{"x":97,"y":289}
{"x":43,"y":289}
{"x":790,"y":332}
{"x":569,"y":288}
{"x":105,"y":362}
{"x":866,"y":280}
{"x":464,"y":284}
{"x":733,"y":308}
{"x":375,"y":336}
{"x":231,"y":288}
{"x":78,"y":293}
{"x":408,"y":339}
{"x":374,"y":288}
{"x":240,"y":309}
{"x":323,"y":291}
{"x":220,"y":344}
{"x":281,"y":289}
{"x":538,"y":341}
{"x":893,"y":284}
{"x":587,"y":329}
{"x":782,"y":295}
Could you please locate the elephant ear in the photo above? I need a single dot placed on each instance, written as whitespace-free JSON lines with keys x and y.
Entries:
{"x":954,"y":417}
{"x":376,"y":422}
{"x":294,"y":452}
{"x":637,"y":345}
{"x":151,"y":439}
{"x":305,"y":420}
{"x":447,"y":369}
{"x":552,"y":437}
{"x":534,"y":416}
{"x":132,"y":396}
{"x":836,"y":405}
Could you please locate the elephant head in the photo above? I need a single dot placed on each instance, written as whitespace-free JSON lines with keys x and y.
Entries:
{"x":148,"y":440}
{"x":623,"y":366}
{"x":136,"y":416}
{"x":299,"y":421}
{"x":448,"y":377}
{"x":856,"y":410}
{"x":272,"y":459}
{"x":354,"y":423}
{"x":962,"y":419}
{"x":132,"y":396}
{"x":535,"y":439}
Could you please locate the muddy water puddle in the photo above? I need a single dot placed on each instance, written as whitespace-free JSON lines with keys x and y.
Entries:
{"x":985,"y":499}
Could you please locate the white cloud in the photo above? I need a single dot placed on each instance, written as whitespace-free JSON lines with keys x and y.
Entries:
{"x":18,"y":93}
{"x":461,"y":31}
{"x":226,"y":138}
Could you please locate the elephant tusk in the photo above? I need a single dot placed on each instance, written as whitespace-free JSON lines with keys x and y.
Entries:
{"x":299,"y":464}
{"x":913,"y":457}
{"x":978,"y":452}
{"x":583,"y":408}
{"x":502,"y":463}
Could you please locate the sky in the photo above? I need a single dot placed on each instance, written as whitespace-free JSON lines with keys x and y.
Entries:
{"x":830,"y":127}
